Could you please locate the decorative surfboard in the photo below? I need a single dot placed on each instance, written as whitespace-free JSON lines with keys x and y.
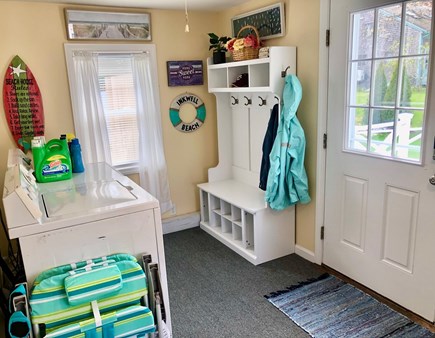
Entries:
{"x":22,"y":103}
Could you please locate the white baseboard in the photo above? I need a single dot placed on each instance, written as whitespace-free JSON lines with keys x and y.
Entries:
{"x":305,"y":254}
{"x":179,"y":223}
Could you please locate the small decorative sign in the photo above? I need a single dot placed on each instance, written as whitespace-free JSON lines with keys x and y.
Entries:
{"x":185,"y":73}
{"x":22,"y":102}
{"x":174,"y":112}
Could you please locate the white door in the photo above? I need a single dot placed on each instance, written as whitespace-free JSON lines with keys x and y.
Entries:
{"x":380,"y":205}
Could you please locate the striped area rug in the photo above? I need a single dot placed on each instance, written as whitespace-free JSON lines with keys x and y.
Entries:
{"x":328,"y":307}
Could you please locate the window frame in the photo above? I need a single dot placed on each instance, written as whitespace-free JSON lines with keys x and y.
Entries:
{"x":71,"y":48}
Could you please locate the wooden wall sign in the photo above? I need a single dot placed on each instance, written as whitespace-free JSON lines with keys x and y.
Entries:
{"x":22,"y":103}
{"x":184,"y":73}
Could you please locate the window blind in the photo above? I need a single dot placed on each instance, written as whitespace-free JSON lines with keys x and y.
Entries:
{"x":119,"y":104}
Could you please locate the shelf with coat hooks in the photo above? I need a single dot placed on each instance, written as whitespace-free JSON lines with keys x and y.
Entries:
{"x":233,"y":207}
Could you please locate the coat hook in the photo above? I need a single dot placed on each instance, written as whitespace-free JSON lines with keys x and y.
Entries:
{"x":277,"y":98}
{"x":263,"y":101}
{"x":248,"y":101}
{"x":236,"y":101}
{"x":284,"y":72}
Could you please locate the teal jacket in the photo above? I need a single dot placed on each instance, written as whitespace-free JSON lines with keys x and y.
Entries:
{"x":287,"y":182}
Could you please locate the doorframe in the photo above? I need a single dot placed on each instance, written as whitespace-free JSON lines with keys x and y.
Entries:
{"x":322,"y":118}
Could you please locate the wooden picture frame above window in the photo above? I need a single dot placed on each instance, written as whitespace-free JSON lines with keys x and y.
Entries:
{"x":269,"y":21}
{"x":92,"y":25}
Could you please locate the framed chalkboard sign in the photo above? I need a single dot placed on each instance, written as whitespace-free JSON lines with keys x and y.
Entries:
{"x":269,"y":21}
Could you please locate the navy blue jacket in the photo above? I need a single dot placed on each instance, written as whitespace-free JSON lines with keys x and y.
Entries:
{"x":269,"y":139}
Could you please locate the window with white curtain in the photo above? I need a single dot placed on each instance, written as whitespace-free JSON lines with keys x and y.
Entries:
{"x":115,"y":101}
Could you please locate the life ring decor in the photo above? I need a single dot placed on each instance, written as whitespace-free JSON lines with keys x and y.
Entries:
{"x":174,"y":112}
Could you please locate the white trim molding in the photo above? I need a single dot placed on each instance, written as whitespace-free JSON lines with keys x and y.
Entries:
{"x":305,"y":253}
{"x":324,"y":25}
{"x":180,"y":223}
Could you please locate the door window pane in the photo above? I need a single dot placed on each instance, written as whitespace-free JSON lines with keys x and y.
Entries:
{"x":360,"y":83}
{"x":363,"y":26}
{"x":387,"y":84}
{"x":417,"y":27}
{"x":388,"y":31}
{"x":414,"y":82}
{"x":408,"y":134}
{"x":381,"y":131}
{"x":358,"y":132}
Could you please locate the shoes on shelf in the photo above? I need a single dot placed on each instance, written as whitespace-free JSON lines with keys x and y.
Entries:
{"x":241,"y":81}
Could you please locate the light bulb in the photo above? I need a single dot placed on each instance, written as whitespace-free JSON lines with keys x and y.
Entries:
{"x":186,"y":28}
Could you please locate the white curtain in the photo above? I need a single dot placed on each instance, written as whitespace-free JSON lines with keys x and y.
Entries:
{"x":91,"y":126}
{"x":89,"y":120}
{"x":152,"y":163}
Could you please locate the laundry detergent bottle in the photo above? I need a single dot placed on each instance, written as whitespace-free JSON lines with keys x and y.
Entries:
{"x":76,"y":156}
{"x":52,"y":161}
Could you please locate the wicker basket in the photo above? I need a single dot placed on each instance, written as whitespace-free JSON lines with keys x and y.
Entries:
{"x":246,"y":53}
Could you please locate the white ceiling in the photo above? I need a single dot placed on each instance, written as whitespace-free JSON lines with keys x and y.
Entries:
{"x":208,"y":5}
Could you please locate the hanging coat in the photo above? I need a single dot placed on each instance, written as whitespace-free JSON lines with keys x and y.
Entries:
{"x":269,"y":138}
{"x":287,"y":182}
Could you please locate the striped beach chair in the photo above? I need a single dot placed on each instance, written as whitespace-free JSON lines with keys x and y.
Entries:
{"x":103,"y":297}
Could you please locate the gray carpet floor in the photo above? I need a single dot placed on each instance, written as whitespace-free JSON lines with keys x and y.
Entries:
{"x":214,"y":292}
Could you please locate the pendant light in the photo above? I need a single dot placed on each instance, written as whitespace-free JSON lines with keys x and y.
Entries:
{"x":186,"y":28}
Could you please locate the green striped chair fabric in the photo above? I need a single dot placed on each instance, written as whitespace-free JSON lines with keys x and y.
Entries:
{"x":95,"y":284}
{"x":133,"y":321}
{"x":64,"y":295}
{"x":68,"y":267}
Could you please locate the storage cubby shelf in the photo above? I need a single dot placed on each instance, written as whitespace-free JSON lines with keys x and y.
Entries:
{"x":242,"y":195}
{"x":264,"y":75}
{"x":233,"y":208}
{"x":253,"y":230}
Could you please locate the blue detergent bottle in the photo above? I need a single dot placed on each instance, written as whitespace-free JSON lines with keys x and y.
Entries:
{"x":76,"y":156}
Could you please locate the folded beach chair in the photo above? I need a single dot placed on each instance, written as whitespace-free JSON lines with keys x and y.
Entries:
{"x":103,"y":297}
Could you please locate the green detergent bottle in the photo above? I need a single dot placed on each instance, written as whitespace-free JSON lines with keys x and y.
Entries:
{"x":51,"y":161}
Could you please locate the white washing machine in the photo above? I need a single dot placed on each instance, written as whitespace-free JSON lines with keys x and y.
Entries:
{"x":96,"y":213}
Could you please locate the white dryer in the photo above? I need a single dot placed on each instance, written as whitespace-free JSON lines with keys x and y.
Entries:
{"x":96,"y":213}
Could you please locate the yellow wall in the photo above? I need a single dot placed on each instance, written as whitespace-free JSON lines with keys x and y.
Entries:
{"x":302,"y":31}
{"x":36,"y":32}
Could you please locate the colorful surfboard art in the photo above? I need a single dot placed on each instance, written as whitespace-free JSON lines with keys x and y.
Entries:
{"x":22,"y":103}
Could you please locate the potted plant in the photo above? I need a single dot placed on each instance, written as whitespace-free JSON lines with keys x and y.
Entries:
{"x":218,"y":44}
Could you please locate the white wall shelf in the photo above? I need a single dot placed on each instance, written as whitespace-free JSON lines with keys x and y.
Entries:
{"x":264,"y":74}
{"x":233,"y":208}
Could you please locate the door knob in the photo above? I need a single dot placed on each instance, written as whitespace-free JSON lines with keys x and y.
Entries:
{"x":432,"y":180}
